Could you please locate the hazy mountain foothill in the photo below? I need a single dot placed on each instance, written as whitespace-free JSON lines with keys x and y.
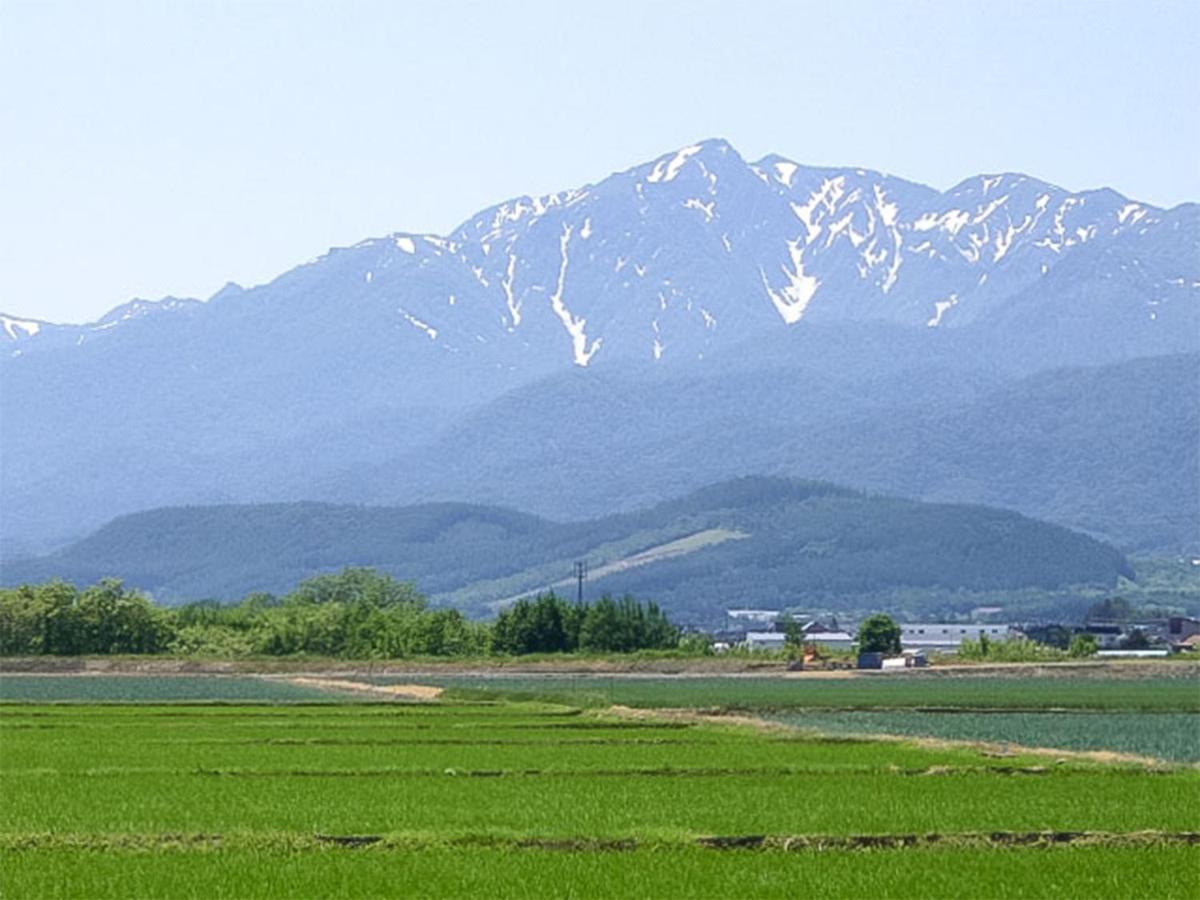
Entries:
{"x":593,"y":373}
{"x":751,"y":539}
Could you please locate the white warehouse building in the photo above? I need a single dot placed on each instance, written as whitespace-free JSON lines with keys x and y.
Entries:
{"x":946,"y":637}
{"x":775,"y":640}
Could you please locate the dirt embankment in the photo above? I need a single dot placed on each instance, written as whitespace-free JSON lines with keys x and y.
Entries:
{"x":608,"y":666}
{"x":390,"y":691}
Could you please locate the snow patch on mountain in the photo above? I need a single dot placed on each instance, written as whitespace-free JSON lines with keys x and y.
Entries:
{"x":940,"y":308}
{"x":786,"y":171}
{"x":667,"y":169}
{"x":19,"y":328}
{"x":705,"y":208}
{"x":506,"y":284}
{"x":429,"y":330}
{"x":793,"y":298}
{"x":574,"y":325}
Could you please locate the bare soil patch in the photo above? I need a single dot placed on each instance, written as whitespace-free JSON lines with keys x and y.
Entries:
{"x":421,"y":692}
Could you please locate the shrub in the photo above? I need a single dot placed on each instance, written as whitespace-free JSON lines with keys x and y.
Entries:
{"x":1082,"y":645}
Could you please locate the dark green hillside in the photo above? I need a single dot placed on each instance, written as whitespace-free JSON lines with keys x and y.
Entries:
{"x":227,"y":551}
{"x":843,"y":550}
{"x":753,"y":539}
{"x":1113,"y":450}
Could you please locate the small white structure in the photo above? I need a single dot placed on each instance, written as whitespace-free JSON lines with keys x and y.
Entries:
{"x":775,"y":640}
{"x":765,"y":640}
{"x":1108,"y":635}
{"x":946,"y":637}
{"x":832,"y":640}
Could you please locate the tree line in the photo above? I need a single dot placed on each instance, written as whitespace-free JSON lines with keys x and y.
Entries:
{"x":549,"y":624}
{"x":357,"y":613}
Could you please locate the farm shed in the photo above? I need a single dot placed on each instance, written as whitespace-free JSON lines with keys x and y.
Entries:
{"x":834,"y":640}
{"x":946,"y":637}
{"x":1180,"y":628}
{"x":1108,"y":635}
{"x":765,"y":640}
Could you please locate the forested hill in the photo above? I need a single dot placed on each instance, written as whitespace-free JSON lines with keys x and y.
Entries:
{"x":747,"y":541}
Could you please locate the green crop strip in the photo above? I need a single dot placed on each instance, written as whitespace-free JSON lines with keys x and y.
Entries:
{"x":1021,"y":872}
{"x":1178,"y":692}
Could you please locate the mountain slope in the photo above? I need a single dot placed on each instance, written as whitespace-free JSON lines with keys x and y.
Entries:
{"x":781,"y":539}
{"x":693,"y":259}
{"x":1112,"y":450}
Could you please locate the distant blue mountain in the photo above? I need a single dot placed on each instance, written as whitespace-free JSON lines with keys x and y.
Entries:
{"x":697,"y":267}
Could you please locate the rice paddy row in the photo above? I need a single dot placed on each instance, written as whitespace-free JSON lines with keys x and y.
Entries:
{"x":1172,"y":689}
{"x":1177,"y":689}
{"x":1098,"y":872}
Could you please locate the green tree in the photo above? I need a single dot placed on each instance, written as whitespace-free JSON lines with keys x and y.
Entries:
{"x":355,"y":584}
{"x":1083,"y":645}
{"x":1053,"y":635}
{"x":696,"y":644}
{"x":621,"y":626}
{"x":793,"y":637}
{"x":1136,"y":640}
{"x":544,"y":624}
{"x":37,"y":619}
{"x":112,"y":619}
{"x":879,"y":634}
{"x":601,"y":629}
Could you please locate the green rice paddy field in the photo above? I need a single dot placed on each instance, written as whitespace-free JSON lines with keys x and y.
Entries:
{"x":1162,"y":735}
{"x":491,"y":796}
{"x":1169,"y":689}
{"x":1156,"y":715}
{"x":154,"y":689}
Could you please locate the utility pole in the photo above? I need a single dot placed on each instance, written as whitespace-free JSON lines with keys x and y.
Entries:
{"x":580,"y":577}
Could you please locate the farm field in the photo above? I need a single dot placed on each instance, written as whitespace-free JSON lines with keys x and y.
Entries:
{"x":1163,"y":735}
{"x":152,"y":689}
{"x":507,"y":798}
{"x":1155,"y":714}
{"x":1170,"y":689}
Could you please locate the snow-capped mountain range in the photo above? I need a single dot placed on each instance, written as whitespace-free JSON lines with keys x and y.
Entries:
{"x":697,"y":269}
{"x":666,"y":258}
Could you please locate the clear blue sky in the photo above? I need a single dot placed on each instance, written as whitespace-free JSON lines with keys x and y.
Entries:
{"x":167,"y":147}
